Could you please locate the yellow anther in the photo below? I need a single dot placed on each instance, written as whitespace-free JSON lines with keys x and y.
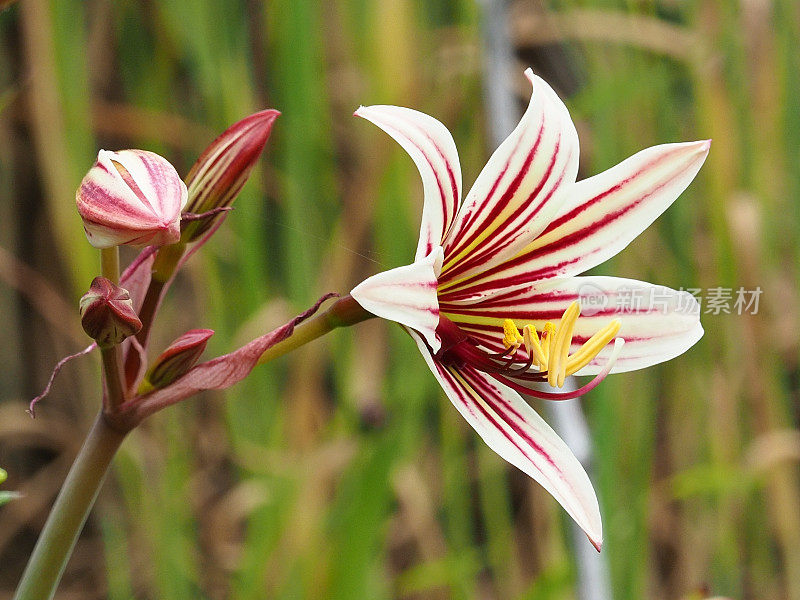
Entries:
{"x":534,"y":348}
{"x":557,"y":368}
{"x":592,"y":347}
{"x":511,"y":336}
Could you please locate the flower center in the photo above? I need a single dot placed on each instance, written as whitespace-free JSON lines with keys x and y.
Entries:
{"x":532,"y":356}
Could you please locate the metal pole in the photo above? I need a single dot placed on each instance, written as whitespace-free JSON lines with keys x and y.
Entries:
{"x":566,"y":417}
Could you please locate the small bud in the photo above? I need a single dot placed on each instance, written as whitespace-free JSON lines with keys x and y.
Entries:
{"x":216,"y":178}
{"x":107,"y":313}
{"x":177,"y":359}
{"x":131,"y":197}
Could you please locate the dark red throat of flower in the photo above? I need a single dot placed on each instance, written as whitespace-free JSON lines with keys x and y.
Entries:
{"x":459,"y":349}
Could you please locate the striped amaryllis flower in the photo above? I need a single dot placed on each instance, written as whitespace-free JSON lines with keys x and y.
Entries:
{"x":131,"y":197}
{"x":508,"y":256}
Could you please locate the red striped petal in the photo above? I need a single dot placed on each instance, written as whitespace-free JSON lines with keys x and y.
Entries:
{"x":518,"y":191}
{"x":432,"y":149}
{"x":406,"y":295}
{"x":602,"y":215}
{"x":510,"y":427}
{"x":219,"y":174}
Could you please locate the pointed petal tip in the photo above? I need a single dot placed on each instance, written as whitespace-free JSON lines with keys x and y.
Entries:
{"x":693,"y":151}
{"x":594,"y":529}
{"x":104,"y":157}
{"x":702,"y":145}
{"x":268,"y":115}
{"x":254,"y":129}
{"x":259,"y":122}
{"x":535,"y":79}
{"x":373,"y":111}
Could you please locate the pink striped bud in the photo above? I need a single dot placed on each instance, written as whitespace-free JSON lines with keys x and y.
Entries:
{"x":216,"y":178}
{"x":107,"y":313}
{"x":177,"y":359}
{"x":131,"y":197}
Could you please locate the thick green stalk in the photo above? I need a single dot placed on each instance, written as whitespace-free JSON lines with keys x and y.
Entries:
{"x":54,"y":547}
{"x":344,"y":312}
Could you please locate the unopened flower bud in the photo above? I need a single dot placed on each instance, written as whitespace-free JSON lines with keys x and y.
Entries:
{"x":107,"y":313}
{"x":177,"y":359}
{"x":216,"y":178}
{"x":131,"y":197}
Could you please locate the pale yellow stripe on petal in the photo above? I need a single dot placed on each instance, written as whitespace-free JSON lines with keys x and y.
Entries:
{"x":473,"y":319}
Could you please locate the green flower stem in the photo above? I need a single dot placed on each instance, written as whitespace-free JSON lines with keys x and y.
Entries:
{"x":109,"y":264}
{"x":54,"y":547}
{"x":112,"y":357}
{"x":344,"y":312}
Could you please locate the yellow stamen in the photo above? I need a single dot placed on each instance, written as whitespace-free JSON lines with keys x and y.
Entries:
{"x":534,"y":348}
{"x":556,"y":371}
{"x":592,"y":347}
{"x":547,"y":339}
{"x":550,"y":352}
{"x":511,"y":336}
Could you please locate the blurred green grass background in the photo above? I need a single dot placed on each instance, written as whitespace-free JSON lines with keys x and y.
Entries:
{"x":342,"y":471}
